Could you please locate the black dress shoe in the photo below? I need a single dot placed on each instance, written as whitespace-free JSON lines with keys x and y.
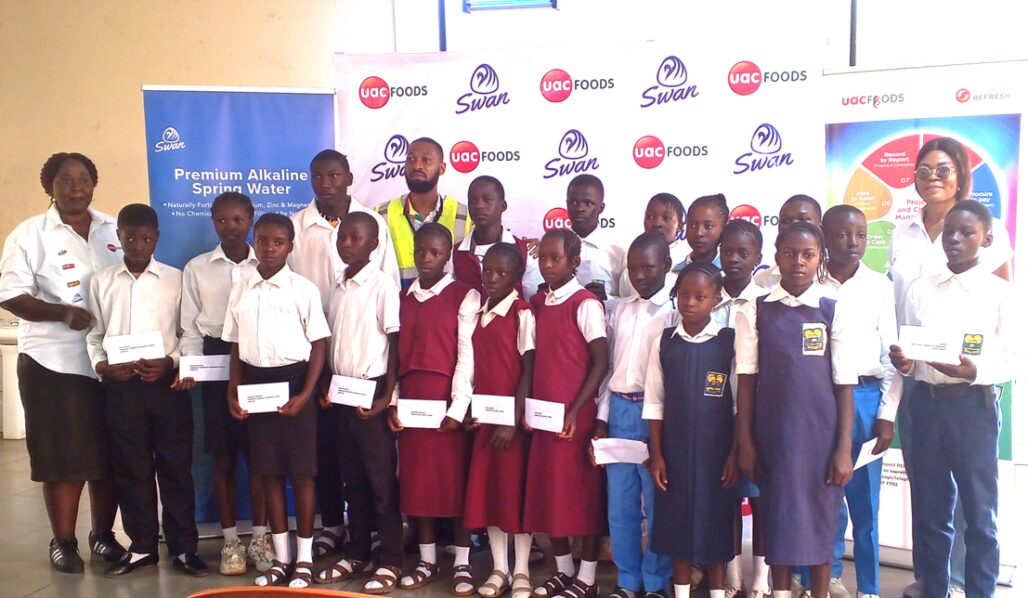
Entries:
{"x":124,"y":566}
{"x":105,"y":546}
{"x":193,"y":565}
{"x":64,"y":556}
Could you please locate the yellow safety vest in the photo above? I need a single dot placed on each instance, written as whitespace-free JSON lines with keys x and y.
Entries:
{"x":454,"y":216}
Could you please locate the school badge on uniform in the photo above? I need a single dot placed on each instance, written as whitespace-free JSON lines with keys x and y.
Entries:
{"x":972,"y":344}
{"x":715,"y":385}
{"x":814,"y":338}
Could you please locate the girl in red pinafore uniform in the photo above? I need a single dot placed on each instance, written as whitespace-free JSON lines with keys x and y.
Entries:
{"x":504,"y":342}
{"x":437,"y":318}
{"x":563,"y":489}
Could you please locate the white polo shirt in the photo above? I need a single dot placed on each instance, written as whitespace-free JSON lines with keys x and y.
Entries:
{"x":207,"y":282}
{"x":363,"y":311}
{"x":602,"y":260}
{"x":47,"y":260}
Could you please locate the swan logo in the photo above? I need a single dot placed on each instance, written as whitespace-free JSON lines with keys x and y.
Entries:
{"x":765,"y":151}
{"x":485,"y":91}
{"x":170,"y":140}
{"x":574,"y":156}
{"x":672,"y":77}
{"x":395,"y":154}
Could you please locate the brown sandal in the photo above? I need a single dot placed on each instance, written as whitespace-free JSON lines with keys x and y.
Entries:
{"x":577,"y":589}
{"x":491,"y":590}
{"x":419,"y":577}
{"x":462,"y":575}
{"x":389,"y":578}
{"x":338,"y":572}
{"x":303,"y":575}
{"x":552,"y":586}
{"x":326,"y":543}
{"x":276,"y":574}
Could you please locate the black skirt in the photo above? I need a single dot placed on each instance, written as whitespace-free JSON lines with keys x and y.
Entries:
{"x":282,"y":445}
{"x":65,"y":424}
{"x":222,"y":433}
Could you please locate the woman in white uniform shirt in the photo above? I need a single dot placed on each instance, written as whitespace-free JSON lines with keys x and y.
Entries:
{"x":942,"y":178}
{"x":48,"y":261}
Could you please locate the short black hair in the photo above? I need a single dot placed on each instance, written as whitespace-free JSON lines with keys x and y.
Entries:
{"x":508,"y":251}
{"x":840,"y":211}
{"x":362,"y":219}
{"x":48,"y":173}
{"x":587,"y":180}
{"x":671,"y":201}
{"x":740,"y":226}
{"x":571,"y":242}
{"x":716,"y":201}
{"x":652,"y":240}
{"x":801,"y":197}
{"x":809,"y":228}
{"x":956,"y":152}
{"x":485,"y":178}
{"x":280,"y":220}
{"x":703,"y":267}
{"x":326,"y":155}
{"x":433,"y":143}
{"x":434,"y":229}
{"x":980,"y":212}
{"x":233,"y":197}
{"x":137,"y":214}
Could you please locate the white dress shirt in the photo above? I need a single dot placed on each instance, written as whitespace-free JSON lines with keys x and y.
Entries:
{"x":467,"y":319}
{"x":274,"y":321}
{"x":207,"y":281}
{"x":844,"y":370}
{"x":316,"y":258}
{"x":589,"y":317}
{"x":364,"y":310}
{"x":868,"y":302}
{"x":632,"y":326}
{"x":653,"y":397}
{"x":529,"y":282}
{"x":47,"y":260}
{"x":975,"y":302}
{"x":767,"y":278}
{"x":913,"y":254}
{"x":726,"y":311}
{"x":526,"y":320}
{"x":602,"y":260}
{"x":121,"y":304}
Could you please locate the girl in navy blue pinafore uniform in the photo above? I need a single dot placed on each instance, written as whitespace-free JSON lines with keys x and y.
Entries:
{"x":794,"y":432}
{"x":693,"y":467}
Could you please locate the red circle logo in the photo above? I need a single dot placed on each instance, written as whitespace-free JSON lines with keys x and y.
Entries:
{"x":464,"y":156}
{"x":963,"y":95}
{"x":374,"y":92}
{"x":648,"y":151}
{"x":745,"y":78}
{"x":746,"y":212}
{"x":556,"y":85}
{"x":556,"y":219}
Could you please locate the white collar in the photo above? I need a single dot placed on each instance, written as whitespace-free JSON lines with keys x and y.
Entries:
{"x":501,"y":308}
{"x":279,"y":279}
{"x":360,"y":278}
{"x":436,"y":289}
{"x":505,"y":237}
{"x":811,"y":297}
{"x":219,"y":254}
{"x":567,"y":290}
{"x":709,"y":331}
{"x":150,"y":267}
{"x":658,"y":299}
{"x":53,"y":217}
{"x":751,"y":291}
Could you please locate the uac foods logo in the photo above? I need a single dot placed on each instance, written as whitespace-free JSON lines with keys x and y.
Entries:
{"x":873,"y":100}
{"x":672,"y":77}
{"x":556,"y":85}
{"x":766,"y":146}
{"x":485,"y":91}
{"x":395,"y":157}
{"x":465,"y":156}
{"x":374,"y":92}
{"x":170,"y":140}
{"x":574,"y":156}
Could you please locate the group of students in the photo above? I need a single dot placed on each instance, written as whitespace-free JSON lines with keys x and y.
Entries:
{"x":761,"y":387}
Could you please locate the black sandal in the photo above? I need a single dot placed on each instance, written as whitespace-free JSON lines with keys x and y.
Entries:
{"x":552,"y":586}
{"x":577,"y":589}
{"x":387,"y":577}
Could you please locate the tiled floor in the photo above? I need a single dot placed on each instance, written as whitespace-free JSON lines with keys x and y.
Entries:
{"x":25,"y":568}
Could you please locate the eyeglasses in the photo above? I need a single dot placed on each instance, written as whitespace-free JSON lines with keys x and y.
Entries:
{"x":942,"y":171}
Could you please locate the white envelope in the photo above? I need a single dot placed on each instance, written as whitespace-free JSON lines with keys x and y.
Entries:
{"x":619,"y":450}
{"x":263,"y":398}
{"x":928,"y":344}
{"x":865,"y":457}
{"x":418,"y":413}
{"x":355,"y":392}
{"x":125,"y":348}
{"x":493,"y":409}
{"x":544,"y":415}
{"x":204,"y":368}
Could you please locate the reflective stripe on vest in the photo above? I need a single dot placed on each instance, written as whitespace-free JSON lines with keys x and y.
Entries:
{"x":454,"y":216}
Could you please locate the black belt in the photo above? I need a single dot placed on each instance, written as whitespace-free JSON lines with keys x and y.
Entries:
{"x":960,"y":389}
{"x":869,"y":380}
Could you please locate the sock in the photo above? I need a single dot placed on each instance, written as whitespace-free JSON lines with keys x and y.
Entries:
{"x":760,"y":574}
{"x":138,"y":557}
{"x":587,"y":572}
{"x":717,"y":594}
{"x":682,"y":590}
{"x":498,"y":546}
{"x":304,"y":550}
{"x":522,"y":551}
{"x":259,"y":531}
{"x":230,"y":533}
{"x":427,"y":552}
{"x":566,"y":564}
{"x":281,"y":542}
{"x":781,"y":594}
{"x":733,"y":572}
{"x":461,"y":555}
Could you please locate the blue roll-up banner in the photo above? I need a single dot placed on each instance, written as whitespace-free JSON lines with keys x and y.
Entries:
{"x":201,"y":142}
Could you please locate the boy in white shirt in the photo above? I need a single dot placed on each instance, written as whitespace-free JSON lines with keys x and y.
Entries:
{"x":602,"y":259}
{"x":149,"y":417}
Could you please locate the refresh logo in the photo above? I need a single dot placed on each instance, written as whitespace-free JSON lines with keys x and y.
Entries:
{"x":672,"y":77}
{"x":395,"y":154}
{"x":485,"y":91}
{"x":574,"y":156}
{"x":170,"y":140}
{"x":766,"y":151}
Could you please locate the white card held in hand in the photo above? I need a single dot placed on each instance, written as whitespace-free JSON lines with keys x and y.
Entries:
{"x":204,"y":368}
{"x":492,"y":409}
{"x":418,"y":413}
{"x":263,"y":398}
{"x":619,"y":450}
{"x":928,"y":344}
{"x":355,"y":392}
{"x":544,"y":415}
{"x":865,"y":457}
{"x":125,"y":348}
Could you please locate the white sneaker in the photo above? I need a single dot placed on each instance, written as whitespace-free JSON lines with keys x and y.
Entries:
{"x":863,"y":595}
{"x":836,"y":589}
{"x":731,"y":590}
{"x":956,"y":592}
{"x":756,"y":593}
{"x":260,"y":553}
{"x":798,"y":589}
{"x":233,"y":558}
